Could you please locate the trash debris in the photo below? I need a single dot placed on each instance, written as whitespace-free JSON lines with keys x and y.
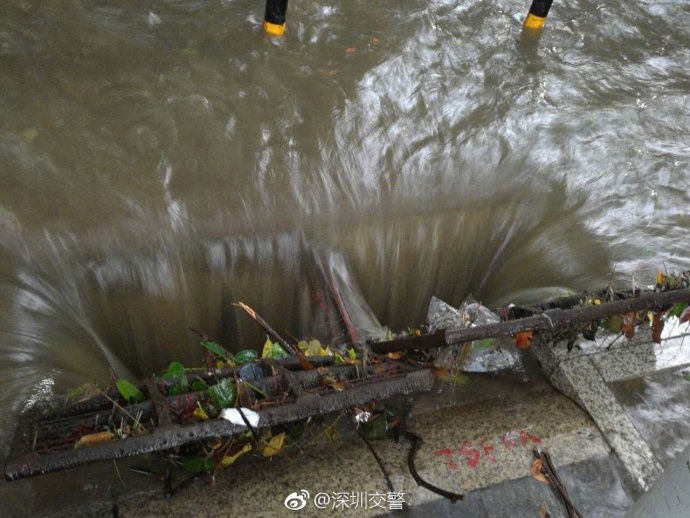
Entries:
{"x":486,"y":355}
{"x":233,"y":415}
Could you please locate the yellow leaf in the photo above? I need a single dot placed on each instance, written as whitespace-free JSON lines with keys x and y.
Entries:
{"x":331,"y":431}
{"x":229,"y":459}
{"x":275,"y":445}
{"x":200,"y":413}
{"x":29,"y":135}
{"x":93,"y":439}
{"x":314,"y":348}
{"x":268,"y":349}
{"x":302,"y":345}
{"x":660,"y":278}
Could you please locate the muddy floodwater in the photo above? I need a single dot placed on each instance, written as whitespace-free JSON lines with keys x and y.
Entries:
{"x":160,"y":161}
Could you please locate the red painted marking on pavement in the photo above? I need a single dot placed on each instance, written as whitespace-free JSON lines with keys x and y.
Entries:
{"x":525,"y":436}
{"x":484,"y":448}
{"x":448,"y":453}
{"x":488,"y":449}
{"x":471,"y":454}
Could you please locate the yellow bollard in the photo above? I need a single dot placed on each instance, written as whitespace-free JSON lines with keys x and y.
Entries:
{"x":536,"y":18}
{"x":274,"y":18}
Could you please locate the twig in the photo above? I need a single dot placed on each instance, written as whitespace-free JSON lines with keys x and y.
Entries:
{"x":249,"y":426}
{"x":352,"y":332}
{"x":304,"y":363}
{"x":290,"y":348}
{"x":416,"y":442}
{"x":549,"y":471}
{"x":117,"y":405}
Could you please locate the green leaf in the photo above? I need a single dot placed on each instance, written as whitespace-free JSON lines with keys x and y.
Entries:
{"x":175,"y":370}
{"x":677,"y":309}
{"x":199,"y":386}
{"x":273,"y":351}
{"x":223,"y":393}
{"x":197,"y":464}
{"x":613,"y":324}
{"x":176,"y":373}
{"x":77,"y":392}
{"x":278,"y":352}
{"x":339,"y":359}
{"x":246,"y":356}
{"x":375,"y":428}
{"x":129,"y":391}
{"x":351,"y":353}
{"x":177,"y":389}
{"x":217,"y":350}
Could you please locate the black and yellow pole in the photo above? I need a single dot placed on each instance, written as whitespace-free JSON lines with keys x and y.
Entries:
{"x":274,"y":18}
{"x":537,"y":14}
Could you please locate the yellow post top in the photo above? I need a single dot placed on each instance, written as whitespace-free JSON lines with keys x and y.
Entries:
{"x":274,"y":29}
{"x":534,"y":22}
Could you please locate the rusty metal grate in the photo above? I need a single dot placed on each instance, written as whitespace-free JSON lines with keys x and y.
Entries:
{"x":46,"y":436}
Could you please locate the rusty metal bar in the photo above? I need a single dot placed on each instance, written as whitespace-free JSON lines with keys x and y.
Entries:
{"x":30,"y":463}
{"x":551,"y":319}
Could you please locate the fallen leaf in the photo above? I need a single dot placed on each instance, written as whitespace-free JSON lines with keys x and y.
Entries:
{"x":274,"y":446}
{"x":523,"y":340}
{"x":338,"y":385}
{"x":535,"y":471}
{"x":331,"y":431}
{"x":29,"y":135}
{"x":230,"y":459}
{"x":129,"y":391}
{"x":685,"y":315}
{"x":395,"y":356}
{"x":677,"y":309}
{"x":197,"y":464}
{"x":657,"y":327}
{"x":660,"y":278}
{"x":200,"y":413}
{"x":629,"y":325}
{"x":94,"y":439}
{"x":351,"y":50}
{"x":614,"y":324}
{"x":374,"y":40}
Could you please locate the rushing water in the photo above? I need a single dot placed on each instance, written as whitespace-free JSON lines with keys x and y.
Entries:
{"x":162,"y":160}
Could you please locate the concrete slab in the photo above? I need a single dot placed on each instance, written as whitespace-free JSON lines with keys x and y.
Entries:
{"x":478,"y":440}
{"x":586,"y":370}
{"x":594,"y":487}
{"x":659,"y":406}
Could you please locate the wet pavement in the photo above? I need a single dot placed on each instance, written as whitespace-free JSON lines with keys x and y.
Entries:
{"x":478,"y":439}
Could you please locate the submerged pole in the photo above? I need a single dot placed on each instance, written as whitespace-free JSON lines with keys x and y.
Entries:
{"x":274,"y":18}
{"x":536,"y":18}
